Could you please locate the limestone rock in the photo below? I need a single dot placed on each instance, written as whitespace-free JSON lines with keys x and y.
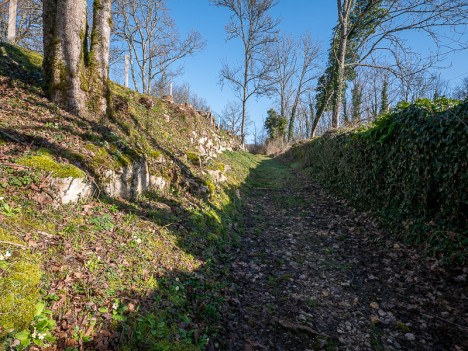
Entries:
{"x":158,"y":183}
{"x":70,"y":190}
{"x":127,"y":182}
{"x":217,"y":176}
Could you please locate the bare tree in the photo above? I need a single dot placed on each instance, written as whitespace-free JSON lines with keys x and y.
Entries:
{"x":183,"y":94}
{"x":420,"y":84}
{"x":251,"y":23}
{"x":232,"y":116}
{"x":305,"y":75}
{"x":152,"y":40}
{"x":29,"y":23}
{"x":461,"y":91}
{"x":293,"y":64}
{"x":283,"y":58}
{"x":77,"y":75}
{"x":379,"y":24}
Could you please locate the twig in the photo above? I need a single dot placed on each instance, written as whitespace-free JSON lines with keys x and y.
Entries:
{"x":14,"y":165}
{"x":299,"y":327}
{"x":45,"y":234}
{"x":13,"y":244}
{"x":461,"y":327}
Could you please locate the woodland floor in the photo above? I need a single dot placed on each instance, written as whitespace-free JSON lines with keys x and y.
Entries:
{"x":312,"y":273}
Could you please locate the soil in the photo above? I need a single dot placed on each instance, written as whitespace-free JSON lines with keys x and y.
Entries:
{"x":312,"y":273}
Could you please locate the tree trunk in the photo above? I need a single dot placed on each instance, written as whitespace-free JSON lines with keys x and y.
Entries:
{"x":75,"y":80}
{"x":344,"y":11}
{"x":12,"y":13}
{"x":340,"y":77}
{"x":292,"y":119}
{"x":315,"y":124}
{"x":244,"y":99}
{"x":98,"y":67}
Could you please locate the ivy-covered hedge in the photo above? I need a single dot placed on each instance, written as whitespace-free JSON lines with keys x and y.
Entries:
{"x":410,"y":168}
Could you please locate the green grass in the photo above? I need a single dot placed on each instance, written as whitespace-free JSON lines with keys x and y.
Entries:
{"x":270,"y":174}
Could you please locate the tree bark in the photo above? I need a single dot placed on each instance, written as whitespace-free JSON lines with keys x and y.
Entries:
{"x":340,"y":77}
{"x":344,"y":11}
{"x":245,"y":97}
{"x":98,"y":67}
{"x":76,"y":80}
{"x":12,"y":13}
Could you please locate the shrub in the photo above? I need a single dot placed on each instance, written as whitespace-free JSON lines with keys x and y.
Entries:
{"x":410,"y":168}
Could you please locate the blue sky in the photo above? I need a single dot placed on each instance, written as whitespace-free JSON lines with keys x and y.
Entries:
{"x":297,"y":17}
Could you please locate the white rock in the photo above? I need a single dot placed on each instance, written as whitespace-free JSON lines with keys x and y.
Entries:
{"x":158,"y":183}
{"x":128,"y":181}
{"x":217,"y":176}
{"x":69,"y":190}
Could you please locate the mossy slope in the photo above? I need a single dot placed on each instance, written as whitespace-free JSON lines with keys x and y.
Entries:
{"x":114,"y":274}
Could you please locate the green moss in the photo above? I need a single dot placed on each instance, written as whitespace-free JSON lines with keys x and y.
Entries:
{"x":45,"y":162}
{"x":193,"y":157}
{"x":19,"y":284}
{"x":111,"y":159}
{"x":210,"y":185}
{"x":403,"y":327}
{"x":156,"y":154}
{"x":63,"y":83}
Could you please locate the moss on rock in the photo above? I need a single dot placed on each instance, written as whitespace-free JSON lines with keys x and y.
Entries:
{"x":45,"y":162}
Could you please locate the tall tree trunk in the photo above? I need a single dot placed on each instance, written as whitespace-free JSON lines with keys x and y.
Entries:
{"x":244,"y":98}
{"x":64,"y":34}
{"x":339,"y":78}
{"x":344,"y":11}
{"x":292,"y":120}
{"x":12,"y":13}
{"x":315,"y":122}
{"x":307,"y":126}
{"x":76,"y":80}
{"x":98,"y":67}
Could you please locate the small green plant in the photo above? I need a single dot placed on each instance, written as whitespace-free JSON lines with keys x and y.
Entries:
{"x":8,"y":210}
{"x":104,"y":222}
{"x":312,"y":303}
{"x":79,"y":335}
{"x":39,"y":332}
{"x":119,"y":310}
{"x":52,"y":125}
{"x":93,"y":263}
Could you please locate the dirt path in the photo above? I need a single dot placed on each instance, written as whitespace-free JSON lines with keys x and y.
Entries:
{"x":312,"y":274}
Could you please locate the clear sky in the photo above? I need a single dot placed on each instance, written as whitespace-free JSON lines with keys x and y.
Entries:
{"x":297,"y":17}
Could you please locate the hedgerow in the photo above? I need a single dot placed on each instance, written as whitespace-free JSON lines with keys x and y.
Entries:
{"x":410,"y":167}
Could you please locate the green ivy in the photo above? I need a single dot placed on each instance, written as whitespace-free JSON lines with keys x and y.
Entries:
{"x":410,"y":167}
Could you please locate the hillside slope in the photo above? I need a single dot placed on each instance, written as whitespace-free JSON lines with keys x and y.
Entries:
{"x":111,"y":230}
